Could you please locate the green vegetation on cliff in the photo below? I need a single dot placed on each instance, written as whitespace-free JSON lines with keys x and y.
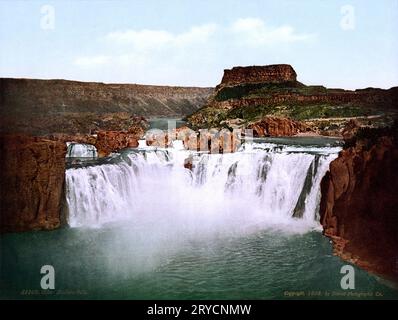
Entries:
{"x":252,"y":90}
{"x":213,"y":117}
{"x":300,"y":112}
{"x":260,"y":90}
{"x":249,"y":94}
{"x":253,"y":101}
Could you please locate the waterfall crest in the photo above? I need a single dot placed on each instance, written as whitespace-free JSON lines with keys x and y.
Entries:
{"x":262,"y":183}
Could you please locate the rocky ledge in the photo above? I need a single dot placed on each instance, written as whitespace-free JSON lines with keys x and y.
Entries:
{"x":359,"y":202}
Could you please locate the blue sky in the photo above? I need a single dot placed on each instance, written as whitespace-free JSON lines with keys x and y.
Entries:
{"x":348,"y":44}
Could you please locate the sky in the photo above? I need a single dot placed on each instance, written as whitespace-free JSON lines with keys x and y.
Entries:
{"x":340,"y":44}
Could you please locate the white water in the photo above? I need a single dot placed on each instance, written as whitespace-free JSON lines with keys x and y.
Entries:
{"x":81,"y":150}
{"x":258,"y":186}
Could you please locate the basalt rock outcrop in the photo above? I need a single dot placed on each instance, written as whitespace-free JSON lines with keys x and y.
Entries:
{"x":111,"y":141}
{"x":359,"y":201}
{"x":277,"y":73}
{"x":277,"y":127}
{"x":31,"y":183}
{"x":248,"y":94}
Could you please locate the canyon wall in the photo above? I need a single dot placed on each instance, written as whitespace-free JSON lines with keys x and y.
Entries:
{"x":359,"y":202}
{"x":35,"y":97}
{"x":31,"y":183}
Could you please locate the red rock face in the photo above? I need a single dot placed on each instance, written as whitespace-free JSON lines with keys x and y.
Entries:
{"x":106,"y":141}
{"x":359,"y":206}
{"x":256,"y":74}
{"x":276,"y":127}
{"x":111,"y":141}
{"x":31,"y":179}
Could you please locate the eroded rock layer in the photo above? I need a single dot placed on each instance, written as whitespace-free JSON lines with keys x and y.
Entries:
{"x":256,"y":74}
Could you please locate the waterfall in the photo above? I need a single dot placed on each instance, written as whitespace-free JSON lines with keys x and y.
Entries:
{"x":261,"y":184}
{"x":80,"y":150}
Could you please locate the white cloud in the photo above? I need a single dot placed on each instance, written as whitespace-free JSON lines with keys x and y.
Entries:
{"x":143,"y":38}
{"x":149,"y":56}
{"x":150,"y":39}
{"x":254,"y":32}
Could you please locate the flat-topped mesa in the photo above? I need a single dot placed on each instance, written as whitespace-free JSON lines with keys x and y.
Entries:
{"x":277,"y":73}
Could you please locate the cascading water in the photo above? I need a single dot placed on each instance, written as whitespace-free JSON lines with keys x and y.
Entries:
{"x":263,"y":184}
{"x":81,"y":150}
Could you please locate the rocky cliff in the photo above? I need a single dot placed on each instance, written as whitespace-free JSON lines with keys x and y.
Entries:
{"x":49,"y":97}
{"x":31,"y":183}
{"x":112,"y":141}
{"x":277,"y":73}
{"x":249,"y":94}
{"x":276,"y":127}
{"x":359,"y":202}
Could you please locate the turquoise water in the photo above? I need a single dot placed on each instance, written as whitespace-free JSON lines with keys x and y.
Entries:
{"x":128,"y":262}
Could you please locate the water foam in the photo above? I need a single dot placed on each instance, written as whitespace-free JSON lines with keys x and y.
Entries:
{"x":261,"y":185}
